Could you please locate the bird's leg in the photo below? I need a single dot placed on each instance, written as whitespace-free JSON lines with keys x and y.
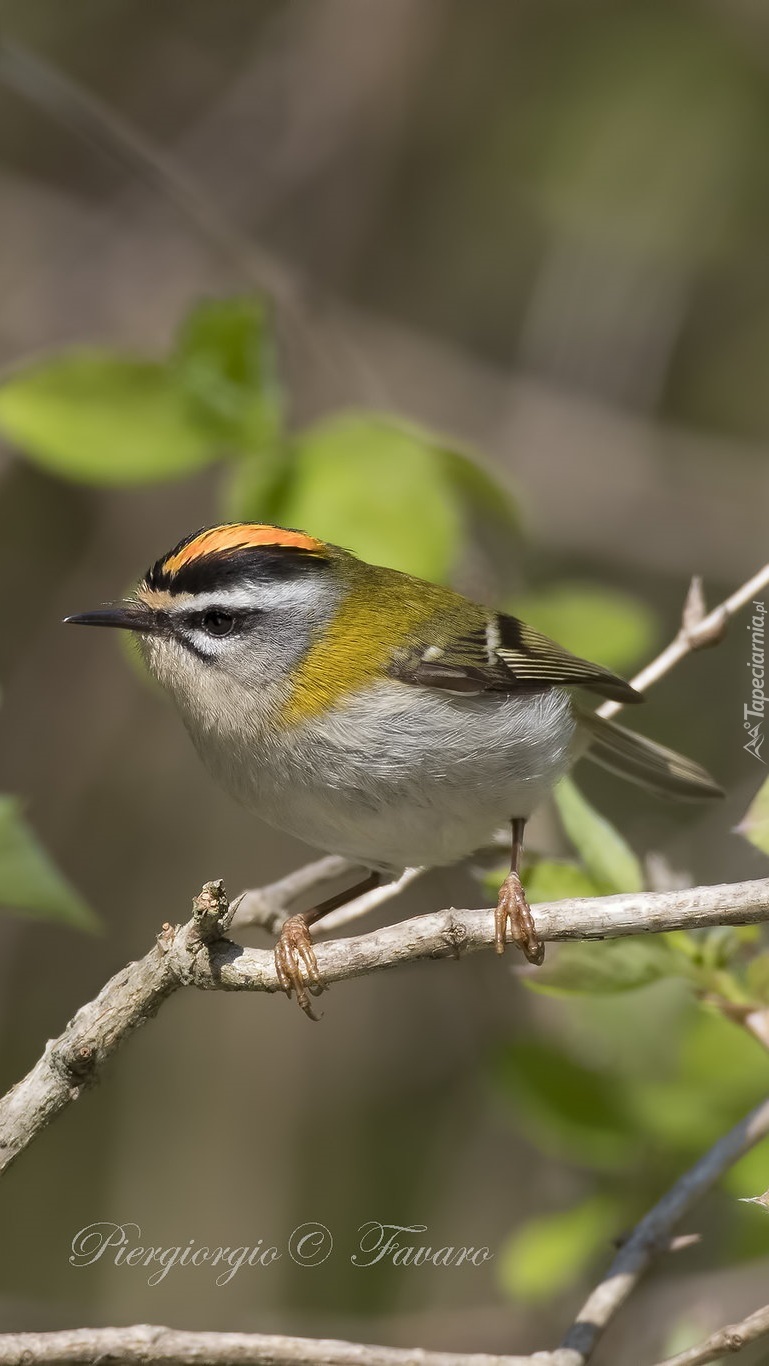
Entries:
{"x":295,"y":961}
{"x":514,"y":909}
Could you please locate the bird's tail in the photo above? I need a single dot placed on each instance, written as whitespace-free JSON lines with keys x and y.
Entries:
{"x":643,"y":761}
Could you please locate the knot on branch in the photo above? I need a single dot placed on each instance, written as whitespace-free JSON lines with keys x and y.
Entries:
{"x":211,"y":911}
{"x":454,"y":936}
{"x":181,"y":944}
{"x":698,"y":630}
{"x":75,"y":1063}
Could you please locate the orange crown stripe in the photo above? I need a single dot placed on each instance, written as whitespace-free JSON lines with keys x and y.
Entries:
{"x":239,"y":536}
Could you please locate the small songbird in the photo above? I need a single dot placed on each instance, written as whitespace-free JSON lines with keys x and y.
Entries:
{"x":370,"y":713}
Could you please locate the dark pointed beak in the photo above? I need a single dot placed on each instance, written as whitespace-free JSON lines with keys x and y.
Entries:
{"x":128,"y":616}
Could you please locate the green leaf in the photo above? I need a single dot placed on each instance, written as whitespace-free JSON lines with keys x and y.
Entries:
{"x":225,"y":363}
{"x":607,"y":967}
{"x":605,"y":854}
{"x":29,"y":881}
{"x":545,"y":880}
{"x":104,"y":419}
{"x":755,"y":823}
{"x":387,"y":490}
{"x":555,"y":879}
{"x":596,"y":623}
{"x":547,"y":1254}
{"x":570,"y":1110}
{"x":377,"y":488}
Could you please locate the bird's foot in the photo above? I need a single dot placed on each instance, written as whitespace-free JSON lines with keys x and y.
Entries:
{"x":513,"y":909}
{"x":296,"y":964}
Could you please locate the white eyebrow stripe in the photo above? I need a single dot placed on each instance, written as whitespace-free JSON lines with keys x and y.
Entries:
{"x":253,"y":597}
{"x":237,"y":596}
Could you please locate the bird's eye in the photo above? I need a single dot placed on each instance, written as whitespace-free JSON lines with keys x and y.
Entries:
{"x":217,"y":623}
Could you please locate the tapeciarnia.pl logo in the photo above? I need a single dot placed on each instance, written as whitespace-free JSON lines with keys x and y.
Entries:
{"x":754,"y":711}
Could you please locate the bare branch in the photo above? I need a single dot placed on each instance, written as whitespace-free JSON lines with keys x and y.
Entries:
{"x":450,"y":933}
{"x":730,"y":1339}
{"x":652,"y":1235}
{"x":196,"y":954}
{"x":174,"y":1347}
{"x":696,"y":633}
{"x":71,"y":1063}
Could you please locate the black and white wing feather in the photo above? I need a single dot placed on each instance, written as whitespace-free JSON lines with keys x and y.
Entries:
{"x":503,"y":654}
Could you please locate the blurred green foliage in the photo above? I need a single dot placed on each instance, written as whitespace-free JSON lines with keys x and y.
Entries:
{"x":629,"y":1122}
{"x":547,"y":1253}
{"x":594,"y":622}
{"x":30,"y":884}
{"x":625,"y":1123}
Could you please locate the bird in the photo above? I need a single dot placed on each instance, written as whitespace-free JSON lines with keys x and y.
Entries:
{"x":371,"y":713}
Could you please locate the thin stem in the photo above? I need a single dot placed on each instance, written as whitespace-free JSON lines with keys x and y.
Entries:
{"x":652,"y":1234}
{"x":696,"y":632}
{"x":725,"y":1341}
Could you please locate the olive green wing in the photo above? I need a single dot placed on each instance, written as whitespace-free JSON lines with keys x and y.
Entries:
{"x":503,"y":654}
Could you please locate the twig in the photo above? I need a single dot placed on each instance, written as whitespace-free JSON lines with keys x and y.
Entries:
{"x":195,"y":954}
{"x":696,"y":632}
{"x":173,"y":1347}
{"x":100,"y":126}
{"x":754,"y":1019}
{"x":369,"y":901}
{"x":91,"y":119}
{"x":268,"y":906}
{"x":653,"y":1233}
{"x":730,"y":1339}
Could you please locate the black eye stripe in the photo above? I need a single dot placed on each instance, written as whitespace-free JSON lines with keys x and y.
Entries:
{"x":205,"y":618}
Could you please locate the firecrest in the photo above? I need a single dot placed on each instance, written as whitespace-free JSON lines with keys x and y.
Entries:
{"x":370,"y":713}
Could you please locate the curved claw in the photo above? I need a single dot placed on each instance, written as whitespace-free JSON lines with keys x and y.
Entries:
{"x":296,"y":964}
{"x":513,"y":909}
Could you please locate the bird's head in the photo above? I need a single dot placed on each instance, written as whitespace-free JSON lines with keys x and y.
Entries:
{"x":236,"y":604}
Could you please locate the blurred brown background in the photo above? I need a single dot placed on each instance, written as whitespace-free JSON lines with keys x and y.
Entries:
{"x":540,"y":228}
